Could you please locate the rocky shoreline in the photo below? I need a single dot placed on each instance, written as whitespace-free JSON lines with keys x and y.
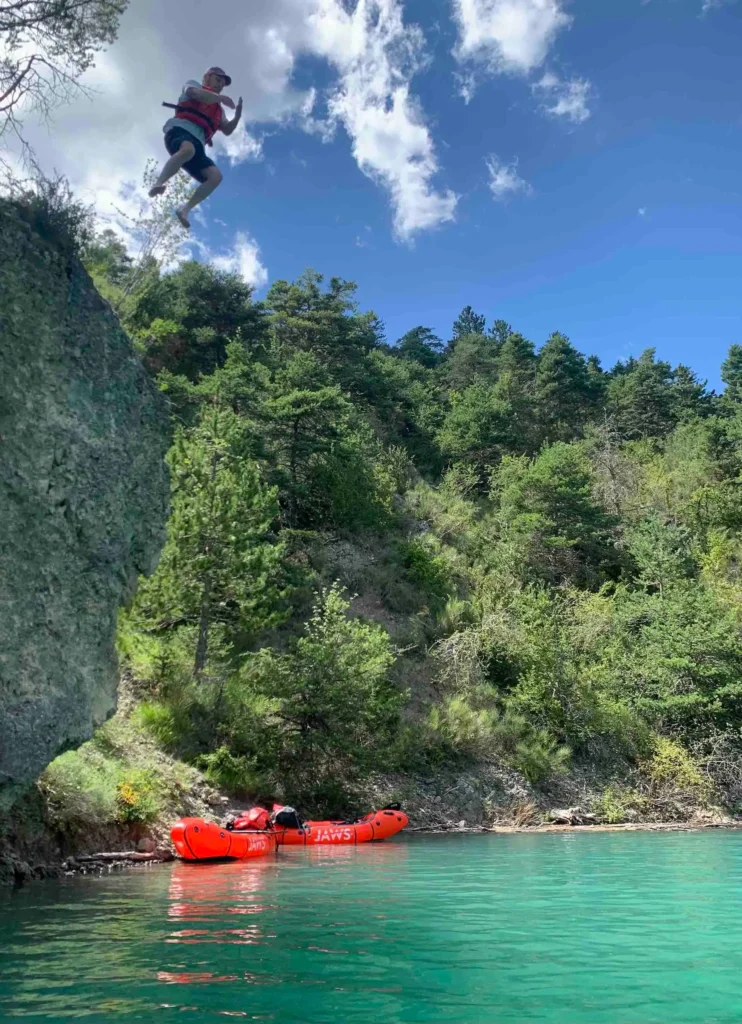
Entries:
{"x":668,"y":826}
{"x":147,"y":855}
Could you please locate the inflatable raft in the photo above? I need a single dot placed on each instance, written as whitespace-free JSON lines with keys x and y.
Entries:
{"x":196,"y":839}
{"x":374,"y":827}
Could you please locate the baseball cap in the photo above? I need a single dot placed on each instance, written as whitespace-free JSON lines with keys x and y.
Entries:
{"x":219,"y":71}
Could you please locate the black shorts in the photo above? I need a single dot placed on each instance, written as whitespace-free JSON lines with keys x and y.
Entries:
{"x":198,"y":163}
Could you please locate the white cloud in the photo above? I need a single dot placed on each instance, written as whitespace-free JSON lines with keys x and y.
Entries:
{"x":242,"y":259}
{"x":240,"y":146}
{"x":712,"y":5}
{"x":505,"y":180}
{"x":376,"y":56}
{"x":642,"y":211}
{"x":508,"y":35}
{"x":466,"y":85}
{"x":102,"y":144}
{"x":566,"y":98}
{"x":515,"y":37}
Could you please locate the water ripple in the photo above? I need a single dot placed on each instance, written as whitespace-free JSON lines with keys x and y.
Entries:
{"x":576,"y":929}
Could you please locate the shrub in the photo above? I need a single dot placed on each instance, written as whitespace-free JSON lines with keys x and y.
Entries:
{"x":80,"y":789}
{"x":615,"y":803}
{"x":467,"y":730}
{"x":481,"y":732}
{"x":426,"y":571}
{"x":672,"y":766}
{"x":52,"y":211}
{"x":455,"y":616}
{"x":85,"y":789}
{"x":238,"y":775}
{"x":160,"y":722}
{"x":136,"y":797}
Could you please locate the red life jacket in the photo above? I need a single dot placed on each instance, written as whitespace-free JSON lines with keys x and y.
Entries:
{"x":206,"y":115}
{"x":255,"y":818}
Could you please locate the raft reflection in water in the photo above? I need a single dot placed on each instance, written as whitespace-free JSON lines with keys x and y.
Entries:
{"x":251,"y":904}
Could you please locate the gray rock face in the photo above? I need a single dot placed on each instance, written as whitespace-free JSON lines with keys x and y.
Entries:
{"x":83,"y":499}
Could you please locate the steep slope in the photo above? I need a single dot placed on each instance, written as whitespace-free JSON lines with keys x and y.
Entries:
{"x":83,"y":496}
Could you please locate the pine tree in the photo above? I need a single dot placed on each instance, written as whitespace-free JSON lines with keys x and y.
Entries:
{"x":514,"y":391}
{"x":303,"y":419}
{"x":221,"y":562}
{"x":478,"y":428}
{"x":420,"y":345}
{"x":326,"y":322}
{"x":467,"y":322}
{"x":500,"y":331}
{"x":640,"y":397}
{"x":563,"y":391}
{"x":472,"y":361}
{"x":548,"y":508}
{"x":690,"y":396}
{"x":731,"y":374}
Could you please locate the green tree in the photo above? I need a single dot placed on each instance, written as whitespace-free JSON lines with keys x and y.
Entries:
{"x":107,"y":260}
{"x":303,"y":419}
{"x":327,"y":323}
{"x":421,"y":346}
{"x":515,"y":389}
{"x":676,"y":658}
{"x":472,"y":361}
{"x":467,"y":322}
{"x":500,"y":331}
{"x":208,"y":308}
{"x":640,"y":397}
{"x":477,"y":429}
{"x":690,"y":396}
{"x":402,"y":399}
{"x":563,"y":391}
{"x":547,"y":510}
{"x":661,"y":554}
{"x":221,"y":564}
{"x":731,"y":374}
{"x":334,"y":706}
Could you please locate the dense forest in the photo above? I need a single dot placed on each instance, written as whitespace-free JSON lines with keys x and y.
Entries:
{"x":406,"y":556}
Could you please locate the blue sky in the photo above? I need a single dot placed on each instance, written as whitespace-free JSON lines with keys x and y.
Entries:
{"x":616,"y":215}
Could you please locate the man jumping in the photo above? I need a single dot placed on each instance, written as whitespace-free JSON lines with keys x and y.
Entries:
{"x":198,"y":117}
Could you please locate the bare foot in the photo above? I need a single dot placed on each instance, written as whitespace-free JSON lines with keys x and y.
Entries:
{"x":156,"y":190}
{"x":183,"y":219}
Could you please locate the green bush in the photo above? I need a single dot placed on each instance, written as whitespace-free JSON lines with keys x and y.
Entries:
{"x":137,"y":799}
{"x":455,"y":616}
{"x":50,"y":207}
{"x":532,"y":751}
{"x":86,"y":789}
{"x":80,"y":788}
{"x":483,"y":733}
{"x":161,"y":722}
{"x":672,"y":765}
{"x":237,"y":775}
{"x":615,"y":804}
{"x":426,"y":571}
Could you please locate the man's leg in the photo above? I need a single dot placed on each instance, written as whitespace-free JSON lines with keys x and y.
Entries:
{"x":184,"y":154}
{"x":212,"y":178}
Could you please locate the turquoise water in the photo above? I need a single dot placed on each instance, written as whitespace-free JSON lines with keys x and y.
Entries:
{"x":622,"y":927}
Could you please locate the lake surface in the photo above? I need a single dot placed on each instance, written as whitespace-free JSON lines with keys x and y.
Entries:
{"x":603,"y":927}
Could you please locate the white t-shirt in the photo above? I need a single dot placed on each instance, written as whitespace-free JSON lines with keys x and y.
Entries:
{"x":179,"y":122}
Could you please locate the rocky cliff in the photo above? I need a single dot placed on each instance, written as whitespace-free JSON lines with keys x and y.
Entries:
{"x":83,"y":497}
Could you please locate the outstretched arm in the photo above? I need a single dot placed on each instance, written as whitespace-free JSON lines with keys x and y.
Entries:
{"x":229,"y":126}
